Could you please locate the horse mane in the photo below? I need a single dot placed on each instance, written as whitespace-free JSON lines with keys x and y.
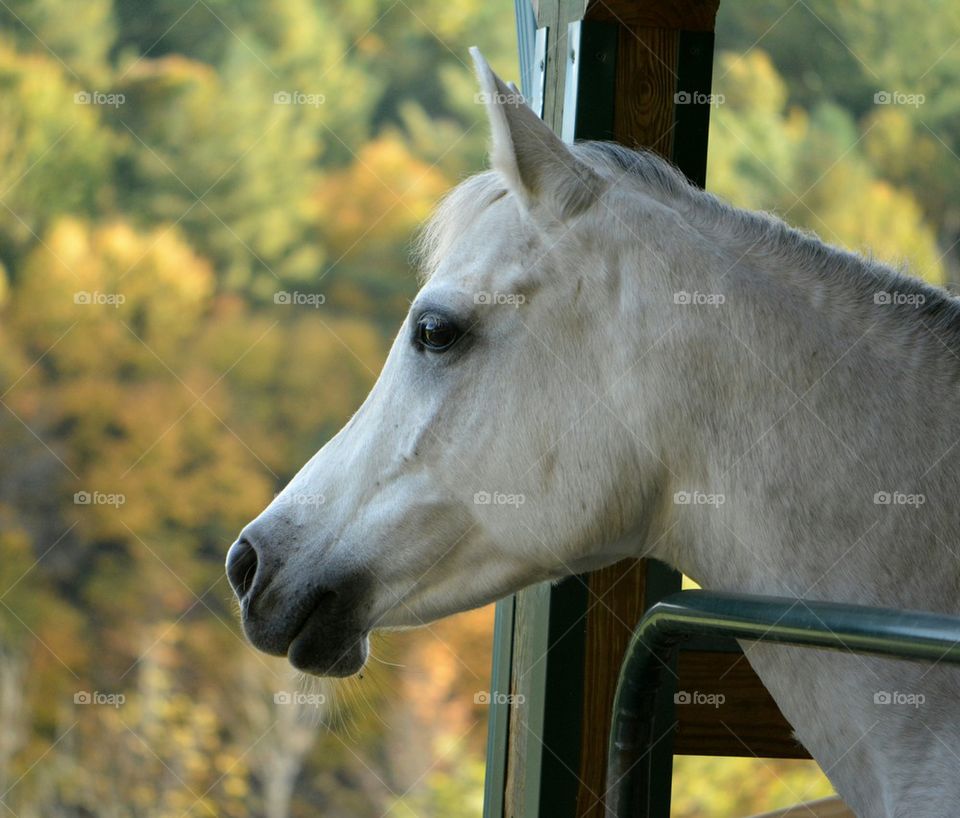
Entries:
{"x":827,"y":268}
{"x":454,"y":213}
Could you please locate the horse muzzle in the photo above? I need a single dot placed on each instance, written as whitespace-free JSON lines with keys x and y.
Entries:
{"x":318,"y":623}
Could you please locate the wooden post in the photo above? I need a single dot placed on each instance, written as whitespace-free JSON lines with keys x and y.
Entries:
{"x":663,"y":76}
{"x":637,"y":72}
{"x":564,"y":643}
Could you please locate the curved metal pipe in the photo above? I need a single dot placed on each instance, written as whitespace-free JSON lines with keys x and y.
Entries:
{"x":682,"y":616}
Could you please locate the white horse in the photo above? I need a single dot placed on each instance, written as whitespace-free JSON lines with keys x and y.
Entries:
{"x":605,"y":362}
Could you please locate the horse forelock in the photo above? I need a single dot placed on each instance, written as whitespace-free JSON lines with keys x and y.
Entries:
{"x":458,"y":209}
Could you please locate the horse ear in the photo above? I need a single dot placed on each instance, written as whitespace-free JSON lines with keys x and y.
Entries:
{"x":538,"y":167}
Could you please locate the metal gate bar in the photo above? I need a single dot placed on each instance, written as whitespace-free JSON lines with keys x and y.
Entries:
{"x":690,"y":614}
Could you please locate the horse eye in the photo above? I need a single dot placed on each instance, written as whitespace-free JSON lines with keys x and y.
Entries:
{"x":435,"y":332}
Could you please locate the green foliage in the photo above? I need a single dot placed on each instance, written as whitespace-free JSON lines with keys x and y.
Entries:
{"x":77,"y":37}
{"x":55,"y":156}
{"x":844,"y":54}
{"x":814,"y":167}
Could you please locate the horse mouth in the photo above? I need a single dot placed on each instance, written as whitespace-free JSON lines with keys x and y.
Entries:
{"x":329,"y":641}
{"x":323,"y":631}
{"x":327,"y":647}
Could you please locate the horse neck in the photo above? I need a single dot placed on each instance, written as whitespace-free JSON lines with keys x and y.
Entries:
{"x":798,"y":403}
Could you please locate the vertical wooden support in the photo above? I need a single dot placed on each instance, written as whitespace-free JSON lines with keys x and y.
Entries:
{"x":564,"y":643}
{"x":498,"y":724}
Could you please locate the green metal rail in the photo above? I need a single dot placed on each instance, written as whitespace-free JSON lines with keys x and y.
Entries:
{"x":691,"y":614}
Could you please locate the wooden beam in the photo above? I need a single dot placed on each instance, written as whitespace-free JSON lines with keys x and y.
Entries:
{"x":622,"y":593}
{"x":653,"y":43}
{"x":568,"y":640}
{"x":498,"y":724}
{"x":748,"y":723}
{"x":680,"y":15}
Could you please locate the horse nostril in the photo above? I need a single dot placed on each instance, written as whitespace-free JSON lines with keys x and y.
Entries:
{"x":241,"y":567}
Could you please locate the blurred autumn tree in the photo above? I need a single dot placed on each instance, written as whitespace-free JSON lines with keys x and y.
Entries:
{"x":870,"y":89}
{"x":166,"y":169}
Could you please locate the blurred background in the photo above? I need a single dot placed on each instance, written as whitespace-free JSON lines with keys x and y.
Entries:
{"x":205,"y":219}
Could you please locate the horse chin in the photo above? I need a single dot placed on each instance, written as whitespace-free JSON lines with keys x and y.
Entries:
{"x":322,"y":650}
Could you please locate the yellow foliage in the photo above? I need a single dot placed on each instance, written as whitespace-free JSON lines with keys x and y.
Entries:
{"x":887,"y":224}
{"x":118,"y":289}
{"x":764,"y":156}
{"x":712,"y":787}
{"x":750,"y":83}
{"x":381,"y":197}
